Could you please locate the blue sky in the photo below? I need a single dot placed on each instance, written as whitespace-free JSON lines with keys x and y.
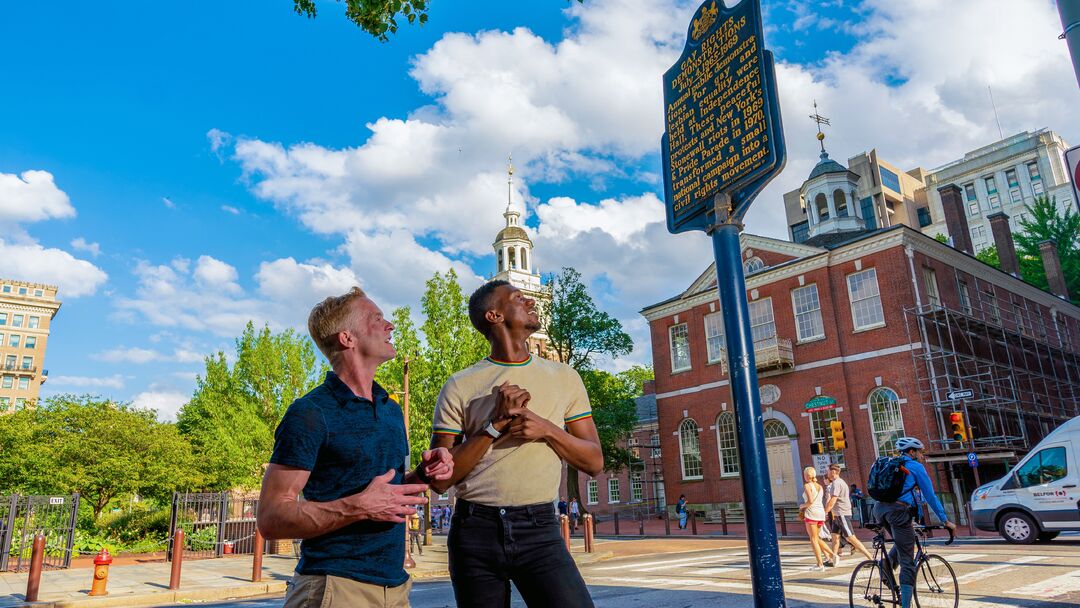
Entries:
{"x":179,"y":169}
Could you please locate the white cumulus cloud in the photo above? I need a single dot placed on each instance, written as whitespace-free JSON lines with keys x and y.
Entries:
{"x":166,"y":403}
{"x":31,"y":197}
{"x":115,"y":381}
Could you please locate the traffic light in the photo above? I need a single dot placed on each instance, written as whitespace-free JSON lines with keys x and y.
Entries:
{"x":959,"y":430}
{"x":817,"y":448}
{"x":839,"y":439}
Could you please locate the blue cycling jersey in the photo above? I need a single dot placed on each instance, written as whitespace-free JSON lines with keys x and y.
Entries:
{"x":918,"y":476}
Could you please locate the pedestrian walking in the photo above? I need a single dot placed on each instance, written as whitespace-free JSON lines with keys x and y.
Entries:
{"x":562,"y":506}
{"x":342,"y":447}
{"x":414,"y":534}
{"x":812,"y":511}
{"x":893,"y":482}
{"x":838,"y":507}
{"x":680,"y":511}
{"x":510,"y":420}
{"x":575,"y":514}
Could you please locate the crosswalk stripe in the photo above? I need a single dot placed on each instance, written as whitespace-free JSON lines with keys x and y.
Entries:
{"x":993,"y":570}
{"x":1052,"y":587}
{"x":661,"y":564}
{"x":816,"y":592}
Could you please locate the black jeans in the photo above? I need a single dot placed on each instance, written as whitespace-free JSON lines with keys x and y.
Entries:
{"x":896,"y":517}
{"x":491,"y":546}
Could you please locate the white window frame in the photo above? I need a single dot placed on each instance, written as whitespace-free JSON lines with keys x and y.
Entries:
{"x":17,"y":320}
{"x":973,"y":203}
{"x":688,"y":434}
{"x":27,"y":362}
{"x":24,"y":383}
{"x":881,"y":429}
{"x":964,"y":295}
{"x":808,"y":314}
{"x":876,"y":296}
{"x":592,"y":491}
{"x":3,"y":318}
{"x":684,"y":330}
{"x":613,"y":492}
{"x":14,"y":341}
{"x":637,"y":487}
{"x":933,"y":296}
{"x":7,"y":381}
{"x":727,"y":444}
{"x":752,"y":265}
{"x":714,"y":336}
{"x":33,"y":322}
{"x":759,"y":322}
{"x":30,"y":342}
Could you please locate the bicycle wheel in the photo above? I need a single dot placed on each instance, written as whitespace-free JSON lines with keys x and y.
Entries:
{"x":935,"y":584}
{"x":867,"y":589}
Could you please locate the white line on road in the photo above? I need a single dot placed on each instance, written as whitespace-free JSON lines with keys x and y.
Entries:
{"x":816,"y":592}
{"x":993,"y":570}
{"x":1052,"y":587}
{"x":662,"y":564}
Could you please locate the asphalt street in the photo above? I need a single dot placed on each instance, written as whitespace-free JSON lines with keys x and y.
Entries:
{"x":991,"y":574}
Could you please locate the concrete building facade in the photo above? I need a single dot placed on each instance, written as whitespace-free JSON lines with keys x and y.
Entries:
{"x":26,"y":314}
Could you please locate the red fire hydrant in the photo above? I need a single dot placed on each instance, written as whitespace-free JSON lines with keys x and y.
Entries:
{"x":101,"y":572}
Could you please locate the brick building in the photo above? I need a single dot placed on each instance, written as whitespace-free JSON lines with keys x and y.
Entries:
{"x":872,"y":328}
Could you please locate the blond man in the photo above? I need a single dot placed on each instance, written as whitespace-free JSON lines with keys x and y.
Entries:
{"x":343,"y":447}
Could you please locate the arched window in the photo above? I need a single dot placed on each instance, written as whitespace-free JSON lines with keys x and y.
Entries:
{"x":501,"y":268}
{"x":690,"y":449}
{"x":727,"y":444}
{"x":886,"y":421}
{"x":513,"y":259}
{"x":775,"y":428}
{"x":840,"y":202}
{"x":754,"y":264}
{"x":524,"y":259}
{"x":822,"y":206}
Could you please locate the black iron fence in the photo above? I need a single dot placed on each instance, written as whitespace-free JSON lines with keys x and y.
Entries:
{"x":214,"y":523}
{"x":23,"y":517}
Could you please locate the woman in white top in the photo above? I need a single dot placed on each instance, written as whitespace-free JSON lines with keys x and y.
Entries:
{"x":813,"y":513}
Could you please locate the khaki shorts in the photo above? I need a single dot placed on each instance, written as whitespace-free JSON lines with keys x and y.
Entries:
{"x":318,"y":591}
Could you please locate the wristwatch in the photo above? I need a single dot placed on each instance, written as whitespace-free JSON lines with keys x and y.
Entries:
{"x":490,"y":429}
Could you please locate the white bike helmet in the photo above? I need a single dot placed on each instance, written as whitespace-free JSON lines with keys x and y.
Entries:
{"x":907,"y":443}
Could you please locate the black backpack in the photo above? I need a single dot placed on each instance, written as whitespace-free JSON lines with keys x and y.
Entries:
{"x":886,"y":480}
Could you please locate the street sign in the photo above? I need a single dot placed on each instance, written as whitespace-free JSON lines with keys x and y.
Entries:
{"x":963,"y":394}
{"x":821,"y":464}
{"x":820,"y":403}
{"x":721,"y":116}
{"x":1072,"y":159}
{"x":973,"y":460}
{"x":722,"y":144}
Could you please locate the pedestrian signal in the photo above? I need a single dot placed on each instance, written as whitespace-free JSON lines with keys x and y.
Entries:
{"x":959,"y":430}
{"x":839,"y":439}
{"x":817,"y":448}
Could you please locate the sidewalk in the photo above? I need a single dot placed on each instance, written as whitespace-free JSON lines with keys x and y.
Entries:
{"x":203,"y":579}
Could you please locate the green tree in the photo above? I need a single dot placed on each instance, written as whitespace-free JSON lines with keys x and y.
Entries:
{"x":614,"y":412}
{"x":989,"y":256}
{"x":638,"y":375}
{"x":99,"y":448}
{"x":376,"y":17}
{"x":450,"y":344}
{"x":235,"y":409}
{"x":1048,"y":221}
{"x":577,"y":330}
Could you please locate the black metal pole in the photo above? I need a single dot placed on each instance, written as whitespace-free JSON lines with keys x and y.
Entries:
{"x":767,"y":580}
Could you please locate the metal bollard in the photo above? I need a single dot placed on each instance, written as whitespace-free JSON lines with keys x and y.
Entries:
{"x":564,"y":529}
{"x":783,"y":522}
{"x":667,"y":523}
{"x":177,"y":559}
{"x":256,"y":560}
{"x":590,"y":533}
{"x":723,"y":520}
{"x":101,"y":573}
{"x":616,"y":523}
{"x":37,"y":556}
{"x":971,"y":520}
{"x":693,"y":522}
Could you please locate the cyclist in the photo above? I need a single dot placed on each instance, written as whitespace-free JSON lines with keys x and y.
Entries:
{"x":898,"y":516}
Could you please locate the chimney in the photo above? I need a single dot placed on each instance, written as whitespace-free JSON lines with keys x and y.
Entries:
{"x":648,"y":387}
{"x":1052,"y":265}
{"x":956,"y":217}
{"x":1003,"y":241}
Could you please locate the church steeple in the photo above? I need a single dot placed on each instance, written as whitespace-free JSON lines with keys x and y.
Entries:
{"x":513,"y":247}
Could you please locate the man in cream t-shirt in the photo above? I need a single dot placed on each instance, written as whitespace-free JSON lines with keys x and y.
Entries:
{"x":510,"y":420}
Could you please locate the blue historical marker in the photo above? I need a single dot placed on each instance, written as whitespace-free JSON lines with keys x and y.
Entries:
{"x":722,"y":144}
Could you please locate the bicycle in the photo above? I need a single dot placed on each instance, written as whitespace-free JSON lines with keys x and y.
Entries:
{"x":935,"y":580}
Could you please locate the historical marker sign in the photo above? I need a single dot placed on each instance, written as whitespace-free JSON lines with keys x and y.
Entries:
{"x":721,"y":116}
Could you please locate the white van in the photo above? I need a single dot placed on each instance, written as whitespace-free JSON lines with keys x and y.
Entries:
{"x":1040,"y":497}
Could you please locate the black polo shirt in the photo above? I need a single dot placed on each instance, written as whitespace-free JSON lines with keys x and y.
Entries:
{"x":345,"y":441}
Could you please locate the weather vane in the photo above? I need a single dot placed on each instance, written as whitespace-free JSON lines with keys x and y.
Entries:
{"x":820,"y":120}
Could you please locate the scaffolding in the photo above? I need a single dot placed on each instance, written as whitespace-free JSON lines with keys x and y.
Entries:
{"x":1019,"y":362}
